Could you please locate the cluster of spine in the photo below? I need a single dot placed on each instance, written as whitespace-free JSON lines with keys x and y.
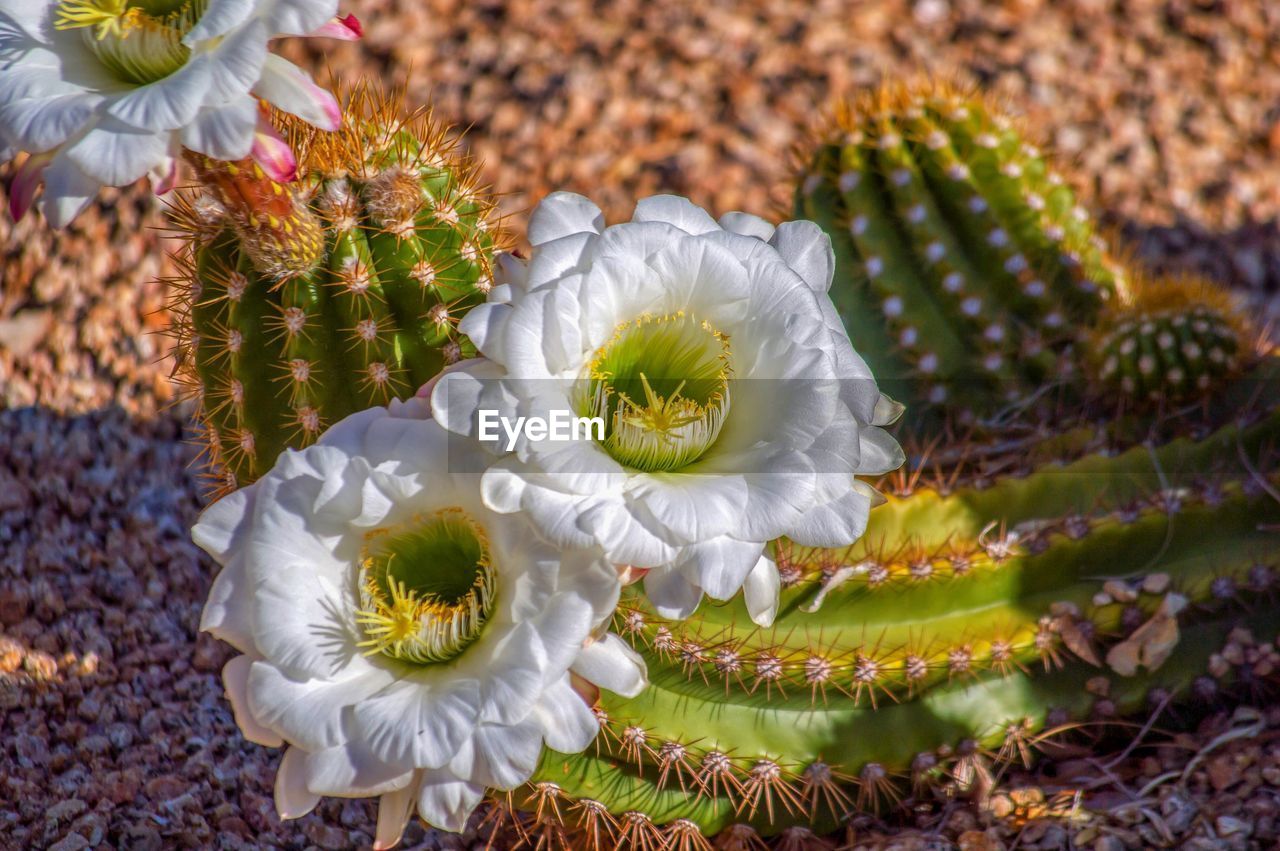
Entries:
{"x":300,"y":304}
{"x":964,"y":262}
{"x":917,"y":662}
{"x":1175,"y":340}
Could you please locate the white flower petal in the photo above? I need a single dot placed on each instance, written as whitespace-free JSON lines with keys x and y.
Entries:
{"x":559,"y":257}
{"x":116,"y":154}
{"x":412,"y":723}
{"x":447,"y":802}
{"x":563,"y":214}
{"x":228,"y":611}
{"x":235,"y":61}
{"x":39,"y":124}
{"x":610,"y":664}
{"x":760,"y":591}
{"x":352,"y":771}
{"x":288,"y":87}
{"x":747,"y":225}
{"x":673,"y":596}
{"x":235,"y":680}
{"x":300,"y":17}
{"x":293,"y":800}
{"x":505,"y":755}
{"x":677,"y":211}
{"x":220,"y":526}
{"x":721,"y":565}
{"x":806,"y":248}
{"x":394,"y":809}
{"x":310,"y":713}
{"x":168,"y":103}
{"x":67,"y":190}
{"x":219,"y":18}
{"x":568,"y":724}
{"x":223,"y":132}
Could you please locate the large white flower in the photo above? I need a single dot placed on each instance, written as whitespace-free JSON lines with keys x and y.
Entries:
{"x":103,"y":92}
{"x":401,"y":639}
{"x":735,"y":408}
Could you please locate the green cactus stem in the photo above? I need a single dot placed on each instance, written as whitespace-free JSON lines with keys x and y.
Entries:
{"x":957,"y":634}
{"x":963,"y":262}
{"x":307,"y":302}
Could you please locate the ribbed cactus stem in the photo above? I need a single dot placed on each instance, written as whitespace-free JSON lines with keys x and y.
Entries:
{"x":311,"y":301}
{"x":955,"y":634}
{"x":957,"y":234}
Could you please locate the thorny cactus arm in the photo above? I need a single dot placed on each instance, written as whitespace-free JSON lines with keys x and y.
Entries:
{"x":927,"y":657}
{"x":301,"y":304}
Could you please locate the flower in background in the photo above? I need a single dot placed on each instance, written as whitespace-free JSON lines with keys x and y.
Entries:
{"x":735,"y":409}
{"x":397,"y":636}
{"x":103,"y":92}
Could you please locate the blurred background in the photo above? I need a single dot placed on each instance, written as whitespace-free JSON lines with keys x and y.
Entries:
{"x":1166,"y":114}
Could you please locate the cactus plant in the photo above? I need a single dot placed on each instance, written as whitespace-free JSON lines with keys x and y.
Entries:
{"x":1172,"y":340}
{"x":964,"y":262}
{"x":1109,"y":565}
{"x":303,"y":303}
{"x":980,"y":612}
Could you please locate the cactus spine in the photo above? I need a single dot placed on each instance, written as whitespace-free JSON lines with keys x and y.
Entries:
{"x":963,"y":259}
{"x":307,"y":302}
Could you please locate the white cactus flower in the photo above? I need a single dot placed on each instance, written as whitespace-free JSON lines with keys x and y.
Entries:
{"x":735,"y":409}
{"x":397,"y":636}
{"x":104,"y":92}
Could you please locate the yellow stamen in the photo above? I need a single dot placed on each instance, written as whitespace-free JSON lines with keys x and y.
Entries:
{"x":107,"y":17}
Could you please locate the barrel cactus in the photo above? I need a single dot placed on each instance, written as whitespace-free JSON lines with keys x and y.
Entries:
{"x":302,"y":303}
{"x":965,"y":263}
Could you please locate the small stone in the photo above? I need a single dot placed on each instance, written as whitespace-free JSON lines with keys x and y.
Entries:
{"x":165,"y":788}
{"x":327,"y":837}
{"x":40,"y":665}
{"x":70,"y":842}
{"x":143,"y":837}
{"x":1231,"y":826}
{"x":10,"y":655}
{"x":64,"y":811}
{"x":1156,"y":583}
{"x":1001,"y":806}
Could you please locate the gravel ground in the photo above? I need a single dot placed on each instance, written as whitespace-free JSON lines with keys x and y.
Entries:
{"x":114,"y":730}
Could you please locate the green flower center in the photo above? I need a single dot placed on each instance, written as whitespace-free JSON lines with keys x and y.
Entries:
{"x":426,"y":589}
{"x":661,"y":385}
{"x":139,"y":41}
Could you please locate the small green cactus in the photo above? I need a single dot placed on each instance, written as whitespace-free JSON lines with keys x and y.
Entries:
{"x":964,"y":262}
{"x":1177,"y":339}
{"x":304,"y":303}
